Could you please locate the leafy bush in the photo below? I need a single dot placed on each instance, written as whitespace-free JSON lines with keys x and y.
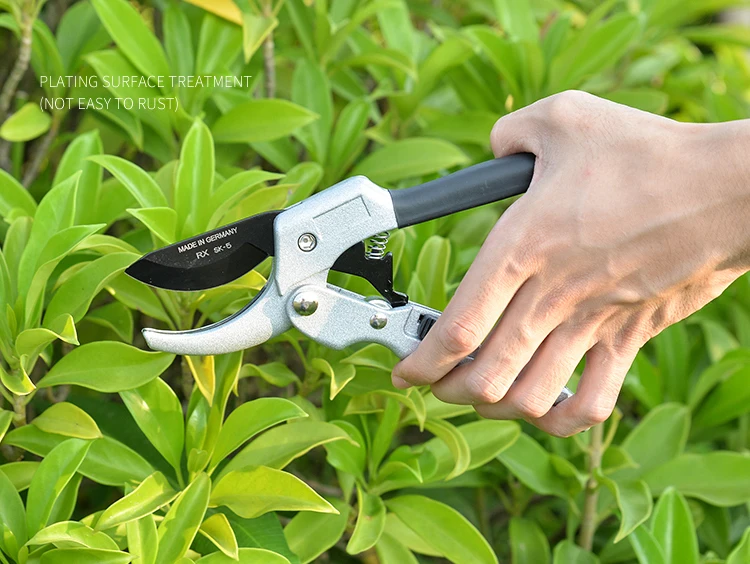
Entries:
{"x":290,"y":451}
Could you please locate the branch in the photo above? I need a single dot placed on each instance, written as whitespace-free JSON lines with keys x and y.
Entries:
{"x":40,"y":152}
{"x":588,"y":521}
{"x":269,"y":60}
{"x":19,"y":69}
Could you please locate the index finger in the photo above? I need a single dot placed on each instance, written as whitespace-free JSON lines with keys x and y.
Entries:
{"x":499,"y":270}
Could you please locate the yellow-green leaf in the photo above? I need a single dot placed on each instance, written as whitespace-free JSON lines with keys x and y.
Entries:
{"x":67,"y":419}
{"x":151,"y":494}
{"x":257,"y":490}
{"x":181,"y":523}
{"x":26,"y":124}
{"x":218,"y":530}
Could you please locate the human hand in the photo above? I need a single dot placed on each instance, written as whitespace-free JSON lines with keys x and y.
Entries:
{"x":631,"y":223}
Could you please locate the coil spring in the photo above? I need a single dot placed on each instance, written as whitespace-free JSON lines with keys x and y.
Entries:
{"x":375,"y":245}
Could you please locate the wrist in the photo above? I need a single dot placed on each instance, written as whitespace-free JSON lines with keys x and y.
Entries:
{"x":719,"y":169}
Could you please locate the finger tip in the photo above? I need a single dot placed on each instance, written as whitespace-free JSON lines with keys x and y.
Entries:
{"x":400,"y":383}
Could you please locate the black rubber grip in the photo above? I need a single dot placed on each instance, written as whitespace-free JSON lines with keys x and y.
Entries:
{"x":477,"y":185}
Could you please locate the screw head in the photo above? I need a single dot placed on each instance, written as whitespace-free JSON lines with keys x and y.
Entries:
{"x":307,"y":242}
{"x":305,"y":303}
{"x":378,"y":320}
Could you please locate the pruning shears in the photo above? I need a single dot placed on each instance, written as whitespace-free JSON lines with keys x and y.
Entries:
{"x":343,"y":228}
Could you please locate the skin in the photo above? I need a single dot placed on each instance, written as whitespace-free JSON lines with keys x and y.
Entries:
{"x":632,"y":222}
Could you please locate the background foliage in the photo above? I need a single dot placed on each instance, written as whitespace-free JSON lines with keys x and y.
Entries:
{"x":290,"y":452}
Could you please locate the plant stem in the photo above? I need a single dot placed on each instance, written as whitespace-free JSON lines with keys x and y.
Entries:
{"x":19,"y":409}
{"x":22,"y":63}
{"x":588,"y":521}
{"x":40,"y":152}
{"x":269,"y":60}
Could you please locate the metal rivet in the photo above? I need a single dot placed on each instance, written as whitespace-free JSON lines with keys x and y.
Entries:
{"x":378,"y":321}
{"x":305,"y":303}
{"x":307,"y":242}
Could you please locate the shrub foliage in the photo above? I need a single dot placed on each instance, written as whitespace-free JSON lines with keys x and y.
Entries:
{"x":290,"y":451}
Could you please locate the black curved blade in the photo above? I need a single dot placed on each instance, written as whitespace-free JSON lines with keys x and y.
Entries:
{"x":210,"y":259}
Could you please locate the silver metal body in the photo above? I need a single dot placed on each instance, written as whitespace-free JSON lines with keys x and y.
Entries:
{"x":309,"y":238}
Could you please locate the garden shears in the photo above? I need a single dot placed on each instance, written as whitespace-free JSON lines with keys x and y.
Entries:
{"x":343,"y":228}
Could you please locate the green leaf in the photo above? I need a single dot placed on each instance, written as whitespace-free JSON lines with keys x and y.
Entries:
{"x":67,"y":532}
{"x":262,"y":532}
{"x":729,"y":400}
{"x":443,"y":528}
{"x":719,"y":478}
{"x":517,"y":19}
{"x":53,"y":474}
{"x":255,"y":29}
{"x":6,"y":417}
{"x":58,"y":247}
{"x":311,"y":534}
{"x":108,"y":461}
{"x":137,"y":296}
{"x":162,"y":222}
{"x":260,"y":120}
{"x":143,"y":539}
{"x":455,"y":442}
{"x":567,"y":552}
{"x":370,"y":522}
{"x":311,"y":90}
{"x":19,"y":473}
{"x":741,"y":552}
{"x":645,"y":546}
{"x":69,"y":420}
{"x":17,"y":382}
{"x":248,"y":420}
{"x":194,"y":180}
{"x":391,"y":551}
{"x":674,"y":530}
{"x":246,"y":556}
{"x":672,"y":346}
{"x":158,"y":413}
{"x":528,"y":544}
{"x":13,"y":196}
{"x":55,"y":213}
{"x":634,"y":501}
{"x":132,"y":36}
{"x":275,"y":373}
{"x":277,"y":447}
{"x":348,"y":136}
{"x":257,"y":490}
{"x":75,"y":295}
{"x":115,"y":317}
{"x":218,"y":530}
{"x":151,"y":494}
{"x":181,"y":523}
{"x":85,"y":556}
{"x":410,"y":158}
{"x":219,"y":44}
{"x":432,"y":271}
{"x":595,"y":48}
{"x":532,"y":465}
{"x":137,"y":181}
{"x":26,"y":124}
{"x":31,"y":342}
{"x":107,"y":367}
{"x":233,"y":190}
{"x":348,"y":456}
{"x":13,"y":533}
{"x":659,"y":437}
{"x":178,"y":40}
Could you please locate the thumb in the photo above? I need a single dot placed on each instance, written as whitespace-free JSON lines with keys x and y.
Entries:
{"x":517,"y":132}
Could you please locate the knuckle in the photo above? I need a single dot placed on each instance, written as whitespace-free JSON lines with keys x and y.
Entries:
{"x":459,"y":337}
{"x":565,"y":108}
{"x":597,"y":412}
{"x":484,"y":387}
{"x":532,"y":407}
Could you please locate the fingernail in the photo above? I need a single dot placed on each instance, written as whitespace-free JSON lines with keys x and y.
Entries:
{"x":400,"y":383}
